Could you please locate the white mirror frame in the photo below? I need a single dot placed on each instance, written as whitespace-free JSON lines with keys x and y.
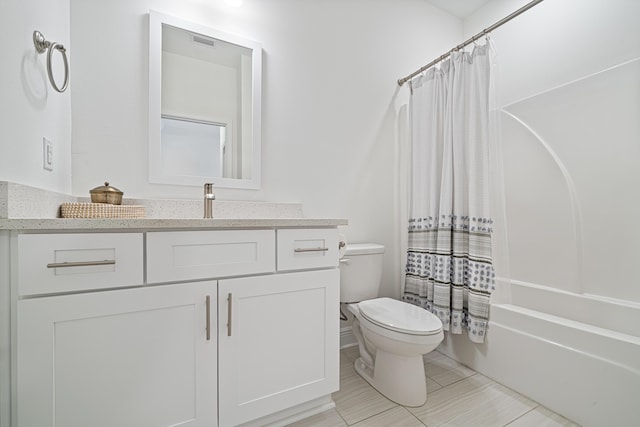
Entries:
{"x":156,"y":20}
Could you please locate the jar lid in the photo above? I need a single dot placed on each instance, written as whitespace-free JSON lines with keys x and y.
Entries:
{"x":106,"y":188}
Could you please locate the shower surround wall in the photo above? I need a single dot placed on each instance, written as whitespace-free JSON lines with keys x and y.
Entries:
{"x":570,"y":97}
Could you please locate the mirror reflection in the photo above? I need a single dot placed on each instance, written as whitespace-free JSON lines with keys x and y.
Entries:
{"x":204,"y":120}
{"x":193,"y":147}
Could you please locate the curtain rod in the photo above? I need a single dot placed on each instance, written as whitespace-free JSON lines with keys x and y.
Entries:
{"x":471,"y":40}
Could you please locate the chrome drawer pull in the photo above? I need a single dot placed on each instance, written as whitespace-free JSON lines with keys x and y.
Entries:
{"x":208,"y":303}
{"x":310,"y":249}
{"x":81,"y":263}
{"x":229,"y":315}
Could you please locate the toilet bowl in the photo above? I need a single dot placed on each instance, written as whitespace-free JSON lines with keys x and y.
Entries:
{"x":395,"y":336}
{"x":392,"y":335}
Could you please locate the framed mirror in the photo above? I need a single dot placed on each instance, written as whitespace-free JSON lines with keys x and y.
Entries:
{"x":204,"y":105}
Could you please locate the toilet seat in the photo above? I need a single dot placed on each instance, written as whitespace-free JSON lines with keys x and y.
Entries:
{"x":400,"y":316}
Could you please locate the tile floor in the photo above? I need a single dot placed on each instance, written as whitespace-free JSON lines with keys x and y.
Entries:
{"x":457,"y":396}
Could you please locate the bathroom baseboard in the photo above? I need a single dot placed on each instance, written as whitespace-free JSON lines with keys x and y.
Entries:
{"x":346,"y":337}
{"x":293,"y":414}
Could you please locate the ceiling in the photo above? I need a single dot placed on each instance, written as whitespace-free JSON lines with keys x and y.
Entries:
{"x":459,"y":8}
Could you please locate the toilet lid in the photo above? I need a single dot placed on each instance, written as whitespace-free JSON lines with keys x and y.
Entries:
{"x":400,"y":316}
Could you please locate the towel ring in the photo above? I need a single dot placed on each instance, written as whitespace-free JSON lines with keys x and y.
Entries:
{"x":43,"y":46}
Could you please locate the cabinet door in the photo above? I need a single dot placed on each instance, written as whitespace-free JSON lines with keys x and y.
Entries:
{"x":278,"y":342}
{"x":136,"y":357}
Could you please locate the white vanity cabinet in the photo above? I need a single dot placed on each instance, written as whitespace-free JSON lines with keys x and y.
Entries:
{"x":278,"y":342}
{"x":134,"y":356}
{"x":158,"y":328}
{"x":277,"y":330}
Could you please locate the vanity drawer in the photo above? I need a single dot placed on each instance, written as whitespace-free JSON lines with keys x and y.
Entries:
{"x":188,"y":255}
{"x":52,"y":263}
{"x":300,"y":249}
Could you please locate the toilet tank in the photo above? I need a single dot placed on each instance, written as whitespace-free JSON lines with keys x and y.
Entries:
{"x":361,"y":272}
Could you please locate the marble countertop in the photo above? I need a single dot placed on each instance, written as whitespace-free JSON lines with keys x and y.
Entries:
{"x":61,"y":224}
{"x":25,"y":208}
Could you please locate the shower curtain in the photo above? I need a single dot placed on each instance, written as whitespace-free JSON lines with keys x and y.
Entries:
{"x":449,"y":269}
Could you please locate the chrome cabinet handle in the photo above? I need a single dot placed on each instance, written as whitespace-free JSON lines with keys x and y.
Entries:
{"x":229,"y":316}
{"x":310,"y":249}
{"x":80,"y":263}
{"x":208,"y":303}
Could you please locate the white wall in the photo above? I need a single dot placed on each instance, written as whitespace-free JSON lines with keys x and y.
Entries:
{"x":570,"y":90}
{"x":29,"y":107}
{"x":330,"y":105}
{"x":329,"y":88}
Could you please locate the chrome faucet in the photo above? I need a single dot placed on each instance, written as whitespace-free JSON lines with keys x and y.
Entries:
{"x":209,"y":197}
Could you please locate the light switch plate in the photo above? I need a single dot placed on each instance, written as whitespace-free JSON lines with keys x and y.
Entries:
{"x":47,"y":154}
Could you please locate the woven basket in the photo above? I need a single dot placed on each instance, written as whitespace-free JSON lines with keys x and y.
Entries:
{"x":100,"y":210}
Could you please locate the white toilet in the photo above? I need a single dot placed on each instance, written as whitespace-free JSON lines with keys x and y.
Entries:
{"x":392,"y":335}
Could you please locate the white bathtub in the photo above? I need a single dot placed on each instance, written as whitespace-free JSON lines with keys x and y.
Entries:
{"x":579,"y":355}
